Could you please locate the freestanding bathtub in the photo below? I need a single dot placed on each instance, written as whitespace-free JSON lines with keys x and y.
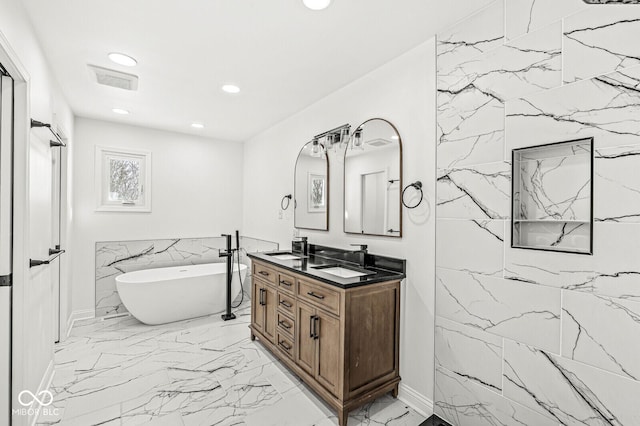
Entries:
{"x":159,"y":296}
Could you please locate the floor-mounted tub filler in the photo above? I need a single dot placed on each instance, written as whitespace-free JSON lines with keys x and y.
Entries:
{"x":159,"y":296}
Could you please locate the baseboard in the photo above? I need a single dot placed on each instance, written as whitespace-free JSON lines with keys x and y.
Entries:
{"x":415,"y":400}
{"x":78,"y":316}
{"x":45,"y":384}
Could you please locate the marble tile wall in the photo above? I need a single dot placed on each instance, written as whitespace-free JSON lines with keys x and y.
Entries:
{"x":529,"y":337}
{"x":114,"y":258}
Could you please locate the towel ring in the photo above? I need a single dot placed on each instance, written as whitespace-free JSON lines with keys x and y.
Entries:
{"x":417,"y":185}
{"x":282,"y":204}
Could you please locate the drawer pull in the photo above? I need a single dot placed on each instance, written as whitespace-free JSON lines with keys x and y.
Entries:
{"x":287,"y":283}
{"x":284,"y":325}
{"x":317,"y":296}
{"x":284,"y":346}
{"x":286,"y":305}
{"x":263,"y":273}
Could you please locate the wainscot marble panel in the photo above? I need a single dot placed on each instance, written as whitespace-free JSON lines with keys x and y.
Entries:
{"x":525,"y":312}
{"x":470,"y":245}
{"x":475,"y":192}
{"x":605,"y":107}
{"x":601,"y":40}
{"x":602,"y":332}
{"x":523,"y":16}
{"x":464,"y":403}
{"x":568,"y":392}
{"x":469,"y":352}
{"x":613,"y":270}
{"x":469,"y":39}
{"x":471,"y":95}
{"x":616,"y":179}
{"x":119,"y":257}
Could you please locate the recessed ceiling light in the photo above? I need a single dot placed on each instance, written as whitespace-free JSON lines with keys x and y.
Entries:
{"x":230,"y":88}
{"x":120,"y":111}
{"x":317,"y":4}
{"x":122,"y":59}
{"x":197,"y":125}
{"x":395,"y":137}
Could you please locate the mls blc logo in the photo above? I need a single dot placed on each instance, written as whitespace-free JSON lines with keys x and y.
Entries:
{"x":35,"y":404}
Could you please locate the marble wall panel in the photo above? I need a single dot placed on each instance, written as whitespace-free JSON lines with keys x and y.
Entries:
{"x":469,"y":352}
{"x":523,"y":16}
{"x":521,"y":311}
{"x":600,"y":40}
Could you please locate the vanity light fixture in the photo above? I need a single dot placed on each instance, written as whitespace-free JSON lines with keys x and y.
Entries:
{"x":197,"y":125}
{"x":120,"y":111}
{"x":356,"y":140}
{"x":122,"y":59}
{"x":315,"y":149}
{"x":330,"y":141}
{"x":317,"y":4}
{"x":230,"y":88}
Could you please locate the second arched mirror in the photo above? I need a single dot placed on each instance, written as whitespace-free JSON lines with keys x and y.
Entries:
{"x":373,"y":180}
{"x":311,"y":200}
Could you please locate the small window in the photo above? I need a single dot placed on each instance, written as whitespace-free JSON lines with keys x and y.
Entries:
{"x":123,"y":180}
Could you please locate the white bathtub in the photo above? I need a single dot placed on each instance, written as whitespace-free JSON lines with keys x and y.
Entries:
{"x":158,"y":296}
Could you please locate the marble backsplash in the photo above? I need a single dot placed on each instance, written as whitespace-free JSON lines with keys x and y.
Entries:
{"x":114,"y":258}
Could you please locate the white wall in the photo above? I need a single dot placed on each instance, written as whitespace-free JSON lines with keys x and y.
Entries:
{"x":402,"y":91}
{"x":196,"y":192}
{"x":37,"y":96}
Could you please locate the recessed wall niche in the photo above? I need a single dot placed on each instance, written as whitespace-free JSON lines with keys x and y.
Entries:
{"x":553,"y":197}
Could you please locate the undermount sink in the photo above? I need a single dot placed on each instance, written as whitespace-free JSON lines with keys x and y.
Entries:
{"x":284,"y":256}
{"x":342,"y":272}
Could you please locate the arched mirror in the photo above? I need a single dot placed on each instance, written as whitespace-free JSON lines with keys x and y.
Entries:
{"x":373,"y":180}
{"x":311,"y":200}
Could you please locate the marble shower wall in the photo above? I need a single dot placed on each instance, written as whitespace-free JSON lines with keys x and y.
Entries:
{"x":114,"y":258}
{"x":529,"y":337}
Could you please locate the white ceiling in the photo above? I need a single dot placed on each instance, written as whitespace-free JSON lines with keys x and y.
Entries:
{"x":282,"y":55}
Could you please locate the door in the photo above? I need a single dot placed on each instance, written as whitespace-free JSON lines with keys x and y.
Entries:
{"x":271,"y":303}
{"x":328,"y":351}
{"x":6,"y":242}
{"x":305,"y":341}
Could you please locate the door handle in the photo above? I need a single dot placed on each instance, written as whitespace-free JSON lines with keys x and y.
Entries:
{"x":262,"y":302}
{"x":311,"y":325}
{"x":316,"y":327}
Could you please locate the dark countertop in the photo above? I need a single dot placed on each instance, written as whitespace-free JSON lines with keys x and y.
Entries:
{"x":307,"y":266}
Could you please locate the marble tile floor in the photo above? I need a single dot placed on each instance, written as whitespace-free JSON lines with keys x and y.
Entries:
{"x":190,"y":373}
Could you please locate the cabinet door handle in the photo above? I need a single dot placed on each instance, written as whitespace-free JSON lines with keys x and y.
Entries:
{"x":286,"y":305}
{"x":287,"y":283}
{"x":284,"y":346}
{"x":311,"y":325}
{"x":262,"y":292}
{"x":316,"y":327}
{"x":317,"y":296}
{"x":263,"y":273}
{"x":284,"y":325}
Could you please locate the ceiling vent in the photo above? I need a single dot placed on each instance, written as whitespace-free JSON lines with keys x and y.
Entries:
{"x":378,"y":142}
{"x":113,"y":78}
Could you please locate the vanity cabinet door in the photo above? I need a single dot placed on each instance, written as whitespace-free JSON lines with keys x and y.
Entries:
{"x":328,"y":351}
{"x":305,"y":340}
{"x":257,"y":307}
{"x":270,"y":313}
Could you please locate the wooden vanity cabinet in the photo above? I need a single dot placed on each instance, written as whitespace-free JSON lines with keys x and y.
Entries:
{"x":343,"y":343}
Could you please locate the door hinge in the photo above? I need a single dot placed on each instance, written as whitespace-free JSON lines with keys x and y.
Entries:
{"x":6,"y":280}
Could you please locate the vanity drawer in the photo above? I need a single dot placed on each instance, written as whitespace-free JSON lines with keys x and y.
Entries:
{"x":286,"y":283}
{"x":286,"y":303}
{"x":286,"y":325}
{"x":320,"y":296}
{"x":264,"y":273}
{"x":285,"y":344}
